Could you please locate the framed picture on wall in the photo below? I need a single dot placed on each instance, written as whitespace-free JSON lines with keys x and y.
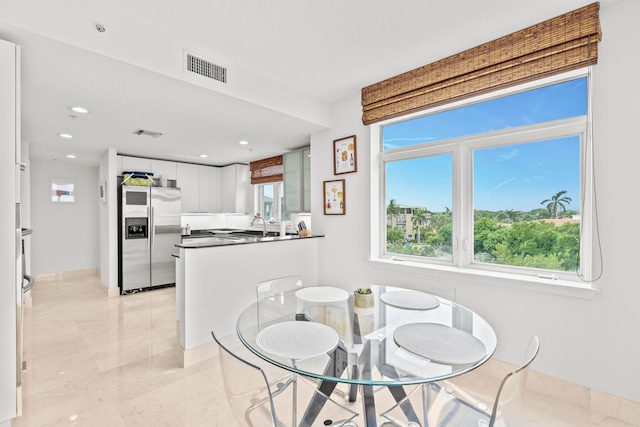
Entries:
{"x":62,"y":190}
{"x":334,"y":197}
{"x":103,"y":191}
{"x":345,"y":159}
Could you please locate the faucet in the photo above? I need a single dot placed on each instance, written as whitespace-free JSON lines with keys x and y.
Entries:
{"x":264,"y":224}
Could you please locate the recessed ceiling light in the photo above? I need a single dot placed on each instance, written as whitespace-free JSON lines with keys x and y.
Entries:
{"x":79,"y":109}
{"x":204,"y":156}
{"x":71,"y":156}
{"x":243,"y":142}
{"x":66,"y":135}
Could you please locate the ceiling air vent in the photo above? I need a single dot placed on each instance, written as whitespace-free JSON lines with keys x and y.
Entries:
{"x":205,"y":68}
{"x":147,"y":132}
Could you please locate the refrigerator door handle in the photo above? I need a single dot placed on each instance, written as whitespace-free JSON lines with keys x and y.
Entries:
{"x":150,"y":225}
{"x":153,"y":227}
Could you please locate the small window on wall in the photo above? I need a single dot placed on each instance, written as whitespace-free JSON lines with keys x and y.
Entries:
{"x":62,"y":190}
{"x":270,"y":200}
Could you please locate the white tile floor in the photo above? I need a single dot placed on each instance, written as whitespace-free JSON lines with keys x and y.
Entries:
{"x":98,"y":361}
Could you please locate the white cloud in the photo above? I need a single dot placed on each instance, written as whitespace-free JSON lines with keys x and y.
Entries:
{"x":508,"y":156}
{"x":504,"y":183}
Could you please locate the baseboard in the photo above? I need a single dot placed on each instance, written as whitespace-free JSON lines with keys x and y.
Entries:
{"x":113,"y":292}
{"x":198,"y":354}
{"x":601,"y":405}
{"x":66,"y":275}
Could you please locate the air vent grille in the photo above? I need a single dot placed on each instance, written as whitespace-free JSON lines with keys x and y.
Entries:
{"x":206,"y":68}
{"x":147,"y":132}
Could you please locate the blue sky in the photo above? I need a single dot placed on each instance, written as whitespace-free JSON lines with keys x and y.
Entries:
{"x":515,"y":177}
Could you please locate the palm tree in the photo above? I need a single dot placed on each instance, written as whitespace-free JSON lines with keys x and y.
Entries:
{"x":440,"y":219}
{"x":511,"y":215}
{"x":557,"y":203}
{"x":419,"y":218}
{"x":393,"y":209}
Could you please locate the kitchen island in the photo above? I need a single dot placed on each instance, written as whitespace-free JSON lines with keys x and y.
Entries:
{"x":216,"y":279}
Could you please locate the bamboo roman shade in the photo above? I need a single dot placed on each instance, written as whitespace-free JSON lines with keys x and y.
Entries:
{"x":555,"y":46}
{"x":266,"y":170}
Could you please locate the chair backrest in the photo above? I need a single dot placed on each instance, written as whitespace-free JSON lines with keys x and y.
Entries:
{"x":270,"y":306}
{"x":274,"y":286}
{"x":507,"y":406}
{"x":247,"y":390}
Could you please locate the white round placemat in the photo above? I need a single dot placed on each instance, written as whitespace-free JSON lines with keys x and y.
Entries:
{"x":410,"y":300}
{"x":322,"y":294}
{"x":440,"y":343}
{"x":297,"y":339}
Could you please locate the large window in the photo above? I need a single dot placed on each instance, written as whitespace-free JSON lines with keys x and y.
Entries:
{"x":496,"y":184}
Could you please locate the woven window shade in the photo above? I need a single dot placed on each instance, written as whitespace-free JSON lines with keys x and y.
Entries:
{"x":267,"y":170}
{"x":561,"y":44}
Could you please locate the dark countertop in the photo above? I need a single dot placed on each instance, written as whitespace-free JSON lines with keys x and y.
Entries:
{"x":204,"y":240}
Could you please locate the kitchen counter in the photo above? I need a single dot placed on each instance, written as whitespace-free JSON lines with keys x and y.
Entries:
{"x":218,"y":280}
{"x":200,"y":241}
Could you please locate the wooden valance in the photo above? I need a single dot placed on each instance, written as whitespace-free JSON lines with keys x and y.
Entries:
{"x":267,"y":170}
{"x":561,"y":44}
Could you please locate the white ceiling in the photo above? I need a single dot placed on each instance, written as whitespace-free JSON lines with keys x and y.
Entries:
{"x":288,"y":60}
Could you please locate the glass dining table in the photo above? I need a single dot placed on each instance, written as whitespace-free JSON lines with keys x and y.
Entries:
{"x":392,"y":337}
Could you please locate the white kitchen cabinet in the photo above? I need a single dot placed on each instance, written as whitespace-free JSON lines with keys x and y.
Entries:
{"x":236,"y":192}
{"x":165,"y":168}
{"x":297,"y":181}
{"x":208,"y":189}
{"x":199,"y":185}
{"x":133,"y":164}
{"x":188,"y":177}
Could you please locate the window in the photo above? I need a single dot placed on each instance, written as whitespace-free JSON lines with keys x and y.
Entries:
{"x":495,"y":183}
{"x":270,"y":201}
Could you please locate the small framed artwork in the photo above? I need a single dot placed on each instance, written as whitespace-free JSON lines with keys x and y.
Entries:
{"x":62,"y":190}
{"x":344,"y":155}
{"x":334,"y":197}
{"x":103,"y":191}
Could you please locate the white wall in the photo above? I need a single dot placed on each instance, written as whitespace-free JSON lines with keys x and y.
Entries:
{"x":109,"y":221}
{"x":66,"y":236}
{"x":594,"y":343}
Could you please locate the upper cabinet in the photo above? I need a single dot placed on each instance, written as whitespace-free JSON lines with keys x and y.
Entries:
{"x":133,"y":164}
{"x":297,"y":180}
{"x":189,"y":183}
{"x":236,"y":195}
{"x":209,"y":189}
{"x":203,"y":188}
{"x":166,"y":169}
{"x":199,"y":185}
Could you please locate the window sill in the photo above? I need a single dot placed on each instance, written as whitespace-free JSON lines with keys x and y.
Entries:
{"x":512,"y":281}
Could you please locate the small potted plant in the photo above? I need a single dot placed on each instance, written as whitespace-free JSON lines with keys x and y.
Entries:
{"x":363,"y":298}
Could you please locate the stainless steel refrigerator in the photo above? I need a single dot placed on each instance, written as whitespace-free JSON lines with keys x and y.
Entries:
{"x":149,"y":231}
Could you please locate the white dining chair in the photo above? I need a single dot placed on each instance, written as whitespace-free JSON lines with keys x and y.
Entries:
{"x":268,"y":310}
{"x":444,"y":404}
{"x":255,"y":401}
{"x":276,"y":285}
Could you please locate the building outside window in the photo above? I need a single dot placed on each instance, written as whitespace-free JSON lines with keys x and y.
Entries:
{"x":500,"y":183}
{"x":270,"y":201}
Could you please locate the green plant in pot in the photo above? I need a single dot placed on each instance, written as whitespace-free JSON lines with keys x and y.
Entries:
{"x":363,"y":298}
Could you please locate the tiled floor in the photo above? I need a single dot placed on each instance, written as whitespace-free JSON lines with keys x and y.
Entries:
{"x":95,"y":361}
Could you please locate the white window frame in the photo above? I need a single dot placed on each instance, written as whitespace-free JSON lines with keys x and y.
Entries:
{"x":278,"y":191}
{"x":462,"y":152}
